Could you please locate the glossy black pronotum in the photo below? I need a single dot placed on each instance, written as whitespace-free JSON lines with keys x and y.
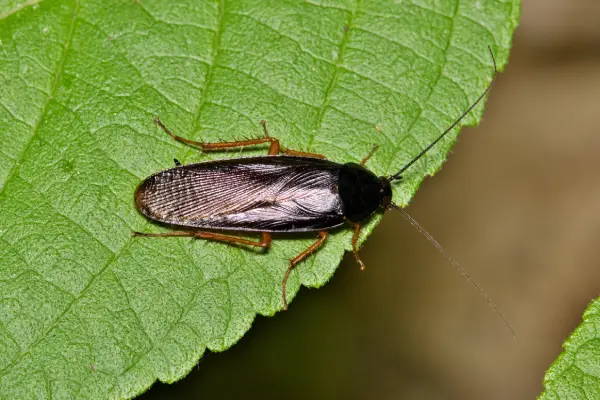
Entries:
{"x":293,"y":192}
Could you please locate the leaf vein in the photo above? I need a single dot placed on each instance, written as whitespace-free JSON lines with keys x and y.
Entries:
{"x":215,"y":56}
{"x":18,"y":8}
{"x":334,"y":75}
{"x":281,"y":34}
{"x":432,"y":89}
{"x":279,"y":92}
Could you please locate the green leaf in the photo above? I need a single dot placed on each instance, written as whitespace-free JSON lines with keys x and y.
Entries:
{"x":88,"y":311}
{"x":575,"y":374}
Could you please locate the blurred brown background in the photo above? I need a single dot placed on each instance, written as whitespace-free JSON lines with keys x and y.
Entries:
{"x":518,"y":203}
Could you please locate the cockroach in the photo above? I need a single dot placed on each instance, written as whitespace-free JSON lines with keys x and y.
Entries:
{"x":278,"y":193}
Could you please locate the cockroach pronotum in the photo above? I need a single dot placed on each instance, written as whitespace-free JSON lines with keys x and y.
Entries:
{"x":293,"y":192}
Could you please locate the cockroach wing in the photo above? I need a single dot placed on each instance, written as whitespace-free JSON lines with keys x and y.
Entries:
{"x":268,"y":194}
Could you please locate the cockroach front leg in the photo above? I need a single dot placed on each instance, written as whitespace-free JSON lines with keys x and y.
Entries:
{"x":286,"y":150}
{"x":373,"y":150}
{"x":294,"y":261}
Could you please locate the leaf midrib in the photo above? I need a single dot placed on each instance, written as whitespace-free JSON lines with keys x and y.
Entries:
{"x":53,"y":89}
{"x":13,"y":172}
{"x":337,"y":65}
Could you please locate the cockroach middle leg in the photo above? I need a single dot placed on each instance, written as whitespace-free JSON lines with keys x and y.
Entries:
{"x":264,"y":242}
{"x":302,"y":153}
{"x":285,"y":150}
{"x":355,"y":237}
{"x":294,"y":261}
{"x":373,"y":150}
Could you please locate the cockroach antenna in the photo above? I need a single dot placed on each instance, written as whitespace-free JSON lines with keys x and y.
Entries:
{"x":458,"y":267}
{"x":413,"y":222}
{"x":398,"y":175}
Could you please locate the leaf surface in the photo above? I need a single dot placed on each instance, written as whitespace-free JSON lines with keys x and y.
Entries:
{"x":88,"y":311}
{"x":575,"y":374}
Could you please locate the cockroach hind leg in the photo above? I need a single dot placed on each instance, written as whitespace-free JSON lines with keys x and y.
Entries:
{"x":145,"y":234}
{"x":296,"y":260}
{"x":276,"y":148}
{"x":264,"y":242}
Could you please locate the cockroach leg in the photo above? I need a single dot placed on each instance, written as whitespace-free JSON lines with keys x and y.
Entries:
{"x":221,"y":145}
{"x":264,"y":125}
{"x":294,"y":261}
{"x":302,"y":153}
{"x":174,"y":136}
{"x":264,"y":242}
{"x":274,"y":149}
{"x":355,"y":237}
{"x":285,"y":150}
{"x":373,"y":150}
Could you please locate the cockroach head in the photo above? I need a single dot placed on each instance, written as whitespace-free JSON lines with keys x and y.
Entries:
{"x":386,"y":192}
